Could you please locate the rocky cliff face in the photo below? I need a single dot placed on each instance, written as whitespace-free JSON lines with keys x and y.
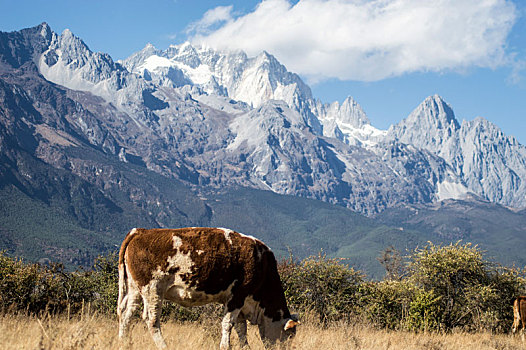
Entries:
{"x":216,"y":119}
{"x":489,"y":163}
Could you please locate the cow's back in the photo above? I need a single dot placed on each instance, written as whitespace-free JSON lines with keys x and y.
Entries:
{"x":205,"y":259}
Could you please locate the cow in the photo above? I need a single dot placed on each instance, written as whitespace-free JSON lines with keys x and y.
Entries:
{"x":519,"y":315}
{"x":196,"y":266}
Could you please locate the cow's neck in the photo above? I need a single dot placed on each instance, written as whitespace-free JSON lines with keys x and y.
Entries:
{"x":272,"y":300}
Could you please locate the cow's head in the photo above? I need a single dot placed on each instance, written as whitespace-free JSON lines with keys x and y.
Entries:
{"x":282,"y":330}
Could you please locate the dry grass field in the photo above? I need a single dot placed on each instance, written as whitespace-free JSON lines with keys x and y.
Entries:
{"x":96,"y":332}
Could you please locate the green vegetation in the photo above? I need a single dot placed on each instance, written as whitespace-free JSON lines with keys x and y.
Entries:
{"x":37,"y":231}
{"x":323,"y":286}
{"x":40,"y":231}
{"x":435,"y":288}
{"x":36,"y":289}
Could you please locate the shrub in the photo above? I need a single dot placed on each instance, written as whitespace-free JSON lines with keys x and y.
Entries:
{"x":321,"y":285}
{"x":36,"y":288}
{"x":424,"y":311}
{"x":29,"y":287}
{"x":464,"y":290}
{"x":104,"y":276}
{"x":385,"y":304}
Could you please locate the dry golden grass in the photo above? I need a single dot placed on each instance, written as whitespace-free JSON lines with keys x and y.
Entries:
{"x":95,"y":332}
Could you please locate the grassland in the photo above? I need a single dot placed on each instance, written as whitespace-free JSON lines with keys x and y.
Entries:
{"x":100,"y":332}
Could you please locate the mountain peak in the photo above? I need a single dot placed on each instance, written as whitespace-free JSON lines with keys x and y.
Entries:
{"x":434,"y":112}
{"x":45,"y":30}
{"x":149,"y":46}
{"x":19,"y":47}
{"x":436,"y":98}
{"x":354,"y":113}
{"x":483,"y":128}
{"x":67,"y":32}
{"x":73,"y":44}
{"x":431,"y":126}
{"x":265,"y":55}
{"x":69,"y":62}
{"x":348,"y":114}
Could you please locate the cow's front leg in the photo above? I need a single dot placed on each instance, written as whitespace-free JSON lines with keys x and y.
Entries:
{"x":226,"y":328}
{"x":241,"y":329}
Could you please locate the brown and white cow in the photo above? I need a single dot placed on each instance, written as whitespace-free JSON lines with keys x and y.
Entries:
{"x":197,"y":266}
{"x":519,"y":315}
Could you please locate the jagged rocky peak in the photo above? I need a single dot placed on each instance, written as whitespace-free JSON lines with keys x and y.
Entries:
{"x":483,"y":129}
{"x":68,"y":61}
{"x":253,"y":80}
{"x":188,"y":55}
{"x":493,"y":163}
{"x":433,"y":113}
{"x":430,"y":126}
{"x":45,"y":31}
{"x":138,"y":58}
{"x":349,"y":112}
{"x":26,"y":45}
{"x":441,"y":110}
{"x":72,"y":48}
{"x":269,"y":63}
{"x":353,"y":113}
{"x":348,"y":122}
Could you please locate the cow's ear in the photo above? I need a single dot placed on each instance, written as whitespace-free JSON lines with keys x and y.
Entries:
{"x":290,"y":324}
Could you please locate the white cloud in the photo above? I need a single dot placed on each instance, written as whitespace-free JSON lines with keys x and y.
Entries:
{"x":211,"y":18}
{"x":171,"y":36}
{"x":366,"y":40}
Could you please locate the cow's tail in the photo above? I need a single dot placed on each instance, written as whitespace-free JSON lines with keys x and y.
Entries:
{"x":123,"y":274}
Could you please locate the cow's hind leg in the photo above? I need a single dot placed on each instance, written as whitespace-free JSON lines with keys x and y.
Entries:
{"x":241,"y":329}
{"x":152,"y":315}
{"x":126,"y":309}
{"x":228,"y":322}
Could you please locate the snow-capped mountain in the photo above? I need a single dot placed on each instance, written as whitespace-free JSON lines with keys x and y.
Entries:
{"x":220,"y":119}
{"x":348,"y":122}
{"x":69,"y":62}
{"x":253,"y":80}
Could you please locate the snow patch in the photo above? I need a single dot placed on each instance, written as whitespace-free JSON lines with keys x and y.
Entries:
{"x":153,"y":62}
{"x":247,"y":130}
{"x":367,"y":135}
{"x":199,"y":75}
{"x":451,"y":190}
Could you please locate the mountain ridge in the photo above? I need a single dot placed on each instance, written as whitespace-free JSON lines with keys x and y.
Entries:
{"x":156,"y":107}
{"x":150,"y":146}
{"x":488,"y":162}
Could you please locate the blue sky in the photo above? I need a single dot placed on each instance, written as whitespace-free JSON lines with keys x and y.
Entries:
{"x":388,"y":54}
